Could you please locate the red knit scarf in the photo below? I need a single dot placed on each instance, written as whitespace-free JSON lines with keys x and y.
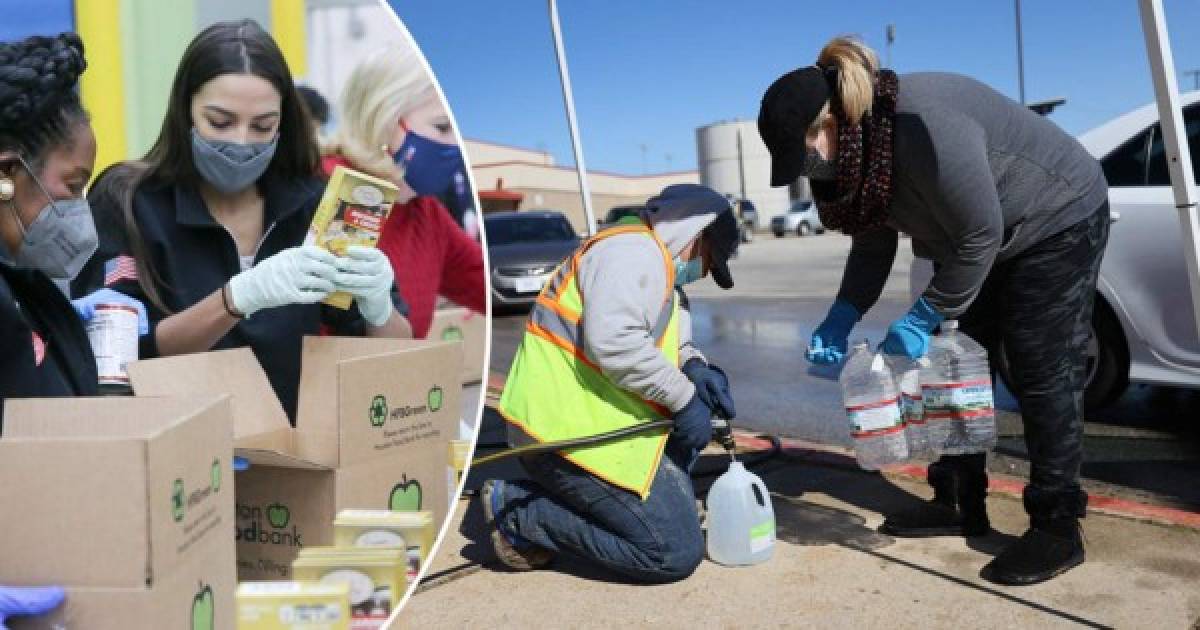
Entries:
{"x":862,"y":196}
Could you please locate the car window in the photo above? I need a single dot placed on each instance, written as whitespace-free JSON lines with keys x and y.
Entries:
{"x":1158,"y":174}
{"x":1126,"y":166}
{"x":528,"y":230}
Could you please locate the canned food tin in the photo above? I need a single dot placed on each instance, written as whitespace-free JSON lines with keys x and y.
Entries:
{"x":113,"y":333}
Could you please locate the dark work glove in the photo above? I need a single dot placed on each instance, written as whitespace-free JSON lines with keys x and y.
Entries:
{"x":693,"y":425}
{"x":712,"y":386}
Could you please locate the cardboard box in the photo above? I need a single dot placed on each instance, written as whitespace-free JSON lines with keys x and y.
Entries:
{"x":455,"y":324}
{"x":127,"y":503}
{"x":374,"y":419}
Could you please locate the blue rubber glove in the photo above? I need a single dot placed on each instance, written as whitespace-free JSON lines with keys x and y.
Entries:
{"x":712,"y":386}
{"x":240,"y":463}
{"x":693,"y":425}
{"x":28,"y":601}
{"x":828,"y":344}
{"x":909,"y":335}
{"x":86,"y":306}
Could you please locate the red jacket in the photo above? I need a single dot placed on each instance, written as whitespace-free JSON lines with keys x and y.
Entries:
{"x":431,"y":256}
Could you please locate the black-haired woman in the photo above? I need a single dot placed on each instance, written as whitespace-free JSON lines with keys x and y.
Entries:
{"x":1014,"y":214}
{"x":207,"y":228}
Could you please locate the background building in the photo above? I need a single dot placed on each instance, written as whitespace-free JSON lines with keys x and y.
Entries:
{"x":513,"y":178}
{"x":734,"y":161}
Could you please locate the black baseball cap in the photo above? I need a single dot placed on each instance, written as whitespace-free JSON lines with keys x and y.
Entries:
{"x":722,"y":237}
{"x":788,"y":108}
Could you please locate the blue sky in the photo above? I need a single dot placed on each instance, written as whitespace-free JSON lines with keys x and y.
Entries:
{"x":651,"y":71}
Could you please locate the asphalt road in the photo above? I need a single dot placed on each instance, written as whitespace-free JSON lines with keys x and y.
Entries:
{"x":1145,"y":446}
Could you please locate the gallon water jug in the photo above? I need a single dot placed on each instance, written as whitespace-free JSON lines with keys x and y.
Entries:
{"x":956,"y":389}
{"x":741,"y":522}
{"x":872,"y":403}
{"x":907,"y":373}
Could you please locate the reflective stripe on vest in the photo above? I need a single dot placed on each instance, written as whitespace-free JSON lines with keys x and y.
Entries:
{"x":555,"y":392}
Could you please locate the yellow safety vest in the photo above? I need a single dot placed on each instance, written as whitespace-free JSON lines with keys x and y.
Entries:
{"x":555,"y":392}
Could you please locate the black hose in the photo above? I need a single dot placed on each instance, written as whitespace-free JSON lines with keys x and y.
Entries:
{"x":587,"y":440}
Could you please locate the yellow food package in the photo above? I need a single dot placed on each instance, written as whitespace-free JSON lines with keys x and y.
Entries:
{"x":293,"y":606}
{"x":383,"y":528}
{"x":375,"y":575}
{"x":351,"y":212}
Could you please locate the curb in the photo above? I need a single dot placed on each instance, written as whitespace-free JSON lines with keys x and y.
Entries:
{"x":997,"y":483}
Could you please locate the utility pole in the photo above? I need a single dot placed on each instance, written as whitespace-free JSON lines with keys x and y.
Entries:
{"x":1195,"y":74}
{"x":890,"y":33}
{"x":741,"y":165}
{"x":1020,"y":56}
{"x":569,"y":102}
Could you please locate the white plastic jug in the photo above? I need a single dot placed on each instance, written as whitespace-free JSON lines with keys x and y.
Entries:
{"x":741,"y":522}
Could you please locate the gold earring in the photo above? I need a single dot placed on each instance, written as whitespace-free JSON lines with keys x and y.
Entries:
{"x":8,"y":190}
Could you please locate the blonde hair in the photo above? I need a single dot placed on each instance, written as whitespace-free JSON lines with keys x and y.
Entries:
{"x":857,"y":66}
{"x":381,"y":89}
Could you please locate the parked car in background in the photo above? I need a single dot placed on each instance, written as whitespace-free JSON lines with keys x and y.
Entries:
{"x":524,"y":249}
{"x":1143,"y":328}
{"x":801,"y":220}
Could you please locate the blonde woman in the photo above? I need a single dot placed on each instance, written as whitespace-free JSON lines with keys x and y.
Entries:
{"x":1014,"y":214}
{"x":393,"y":126}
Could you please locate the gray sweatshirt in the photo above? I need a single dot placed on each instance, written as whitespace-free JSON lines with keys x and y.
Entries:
{"x":623,"y":280}
{"x":979,"y":178}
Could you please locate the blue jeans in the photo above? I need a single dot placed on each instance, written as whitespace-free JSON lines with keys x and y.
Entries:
{"x":566,"y":509}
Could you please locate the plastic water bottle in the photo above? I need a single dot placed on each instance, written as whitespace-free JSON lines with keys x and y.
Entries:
{"x":908,"y":379}
{"x":741,"y":522}
{"x":956,"y":388}
{"x":872,"y":403}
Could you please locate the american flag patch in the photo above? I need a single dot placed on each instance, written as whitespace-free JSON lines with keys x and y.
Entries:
{"x":118,"y":269}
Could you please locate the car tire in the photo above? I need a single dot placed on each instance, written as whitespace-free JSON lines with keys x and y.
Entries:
{"x":804,"y":229}
{"x":778,"y":234}
{"x":1108,"y":360}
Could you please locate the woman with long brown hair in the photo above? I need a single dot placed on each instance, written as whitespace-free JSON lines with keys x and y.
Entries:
{"x":208,"y":227}
{"x":1014,"y":214}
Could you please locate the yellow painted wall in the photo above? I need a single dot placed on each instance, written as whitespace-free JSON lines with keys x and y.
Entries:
{"x":289,"y":30}
{"x":103,"y":84}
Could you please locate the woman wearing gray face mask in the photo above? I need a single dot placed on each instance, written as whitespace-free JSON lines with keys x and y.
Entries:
{"x":207,"y":228}
{"x":47,"y":152}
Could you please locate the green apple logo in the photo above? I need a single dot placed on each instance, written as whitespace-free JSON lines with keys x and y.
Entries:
{"x":202,"y":608}
{"x":452,"y":333}
{"x":435,"y":398}
{"x":279,"y":515}
{"x":379,"y":411}
{"x":406,"y":496}
{"x":216,"y":475}
{"x":177,"y":500}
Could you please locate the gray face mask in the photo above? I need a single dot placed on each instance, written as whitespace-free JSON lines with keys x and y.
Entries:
{"x":818,"y":168}
{"x":62,"y":238}
{"x":231,"y":166}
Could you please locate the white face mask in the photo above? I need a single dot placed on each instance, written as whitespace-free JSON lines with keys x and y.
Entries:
{"x":62,"y":238}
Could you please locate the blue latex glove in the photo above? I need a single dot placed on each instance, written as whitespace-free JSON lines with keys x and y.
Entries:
{"x":909,"y":335}
{"x":828,"y":344}
{"x":86,"y":307}
{"x":28,"y":601}
{"x":693,"y":425}
{"x":712,"y":386}
{"x":240,"y":463}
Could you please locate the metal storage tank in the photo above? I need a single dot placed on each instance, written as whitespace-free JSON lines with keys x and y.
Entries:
{"x":717,"y":151}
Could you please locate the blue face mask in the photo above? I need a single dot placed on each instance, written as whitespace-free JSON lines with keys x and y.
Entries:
{"x":429,"y":166}
{"x":687,"y":272}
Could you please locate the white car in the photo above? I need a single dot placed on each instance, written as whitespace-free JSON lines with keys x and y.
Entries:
{"x":1143,"y":329}
{"x":801,"y":219}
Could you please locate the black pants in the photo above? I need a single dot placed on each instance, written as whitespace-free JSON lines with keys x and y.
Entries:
{"x":1039,"y":304}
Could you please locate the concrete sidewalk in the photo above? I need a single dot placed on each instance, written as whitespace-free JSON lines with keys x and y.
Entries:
{"x":830,"y":569}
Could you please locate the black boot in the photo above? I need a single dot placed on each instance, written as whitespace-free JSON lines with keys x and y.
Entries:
{"x":1052,"y":545}
{"x":1046,"y":550}
{"x":941,"y":515}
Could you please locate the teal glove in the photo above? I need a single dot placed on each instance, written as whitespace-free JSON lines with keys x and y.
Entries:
{"x":829,"y":340}
{"x":86,"y":306}
{"x":909,"y":335}
{"x":28,"y":601}
{"x":366,"y":273}
{"x":298,"y":275}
